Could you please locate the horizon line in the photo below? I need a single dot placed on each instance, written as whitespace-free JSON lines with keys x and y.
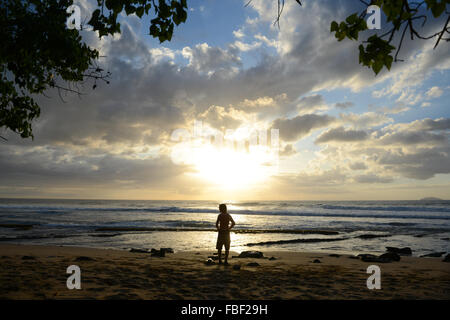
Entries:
{"x":247,"y":200}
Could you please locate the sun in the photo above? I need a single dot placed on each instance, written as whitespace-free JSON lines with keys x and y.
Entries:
{"x":237,"y":169}
{"x":229,"y":168}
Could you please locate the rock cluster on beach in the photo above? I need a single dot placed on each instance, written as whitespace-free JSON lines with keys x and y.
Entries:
{"x":250,"y":254}
{"x":154,"y":252}
{"x":392,"y":254}
{"x":244,"y":254}
{"x":401,"y":251}
{"x":433,"y":255}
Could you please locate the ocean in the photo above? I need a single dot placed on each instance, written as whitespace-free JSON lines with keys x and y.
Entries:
{"x":322,"y":226}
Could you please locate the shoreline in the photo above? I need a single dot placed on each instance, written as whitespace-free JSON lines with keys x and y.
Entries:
{"x":39,"y":272}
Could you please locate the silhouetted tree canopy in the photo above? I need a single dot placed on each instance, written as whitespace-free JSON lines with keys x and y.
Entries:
{"x":39,"y":52}
{"x":403,"y":16}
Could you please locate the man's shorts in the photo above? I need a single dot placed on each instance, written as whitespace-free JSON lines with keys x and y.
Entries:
{"x":223,"y":239}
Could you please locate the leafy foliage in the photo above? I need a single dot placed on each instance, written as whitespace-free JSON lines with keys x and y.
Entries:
{"x":377,"y":52}
{"x":39,"y":52}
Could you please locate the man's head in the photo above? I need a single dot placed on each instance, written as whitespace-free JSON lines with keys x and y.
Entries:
{"x":223,"y":208}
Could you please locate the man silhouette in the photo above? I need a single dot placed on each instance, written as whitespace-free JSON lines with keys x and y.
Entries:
{"x":223,"y":227}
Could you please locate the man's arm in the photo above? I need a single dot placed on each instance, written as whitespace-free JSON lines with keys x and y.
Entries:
{"x":232,"y":222}
{"x":217,"y":223}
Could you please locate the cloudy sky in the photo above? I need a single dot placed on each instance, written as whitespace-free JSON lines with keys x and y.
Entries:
{"x":189,"y":119}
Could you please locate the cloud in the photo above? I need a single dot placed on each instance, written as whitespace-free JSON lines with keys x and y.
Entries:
{"x":426,"y":131}
{"x":54,"y":165}
{"x":410,"y":138}
{"x":242,"y":46}
{"x":342,"y":135}
{"x":221,"y":118}
{"x":344,"y":105}
{"x":267,"y":41}
{"x":372,"y":178}
{"x":365,"y":120}
{"x":238,"y":33}
{"x":210,"y":60}
{"x":431,"y":124}
{"x":300,"y":126}
{"x":434,"y":92}
{"x":421,"y":164}
{"x":311,"y":103}
{"x":358,"y":166}
{"x":400,"y":108}
{"x":288,"y":150}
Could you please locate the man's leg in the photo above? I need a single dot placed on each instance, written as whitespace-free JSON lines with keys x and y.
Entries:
{"x":227,"y":251}
{"x":220,"y":255}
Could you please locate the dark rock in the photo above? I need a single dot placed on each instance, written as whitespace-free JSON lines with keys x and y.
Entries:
{"x":209,"y":262}
{"x":158,"y":253}
{"x":366,"y":256}
{"x":105,"y":235}
{"x":253,"y":264}
{"x":302,"y":240}
{"x":353,"y":257}
{"x":237,"y":267}
{"x":251,"y":254}
{"x":316,"y":261}
{"x":28,"y":258}
{"x":373,"y":236}
{"x":433,"y":255}
{"x":272,"y":258}
{"x":139,"y":250}
{"x":17,"y":227}
{"x":167,"y":250}
{"x":402,"y":251}
{"x":371,"y":259}
{"x":83,"y":258}
{"x":334,"y":255}
{"x":445,"y":239}
{"x":389,"y":257}
{"x":384,"y":258}
{"x":447,"y":258}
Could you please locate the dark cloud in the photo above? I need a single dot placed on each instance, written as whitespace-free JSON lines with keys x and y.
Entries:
{"x":342,"y":135}
{"x":298,"y":127}
{"x":410,"y":138}
{"x":344,"y":105}
{"x":430,"y":124}
{"x":358,"y":166}
{"x":288,"y":150}
{"x":422,"y":164}
{"x":311,"y":103}
{"x":52,"y":166}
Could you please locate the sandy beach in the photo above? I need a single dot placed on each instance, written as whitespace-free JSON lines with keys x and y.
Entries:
{"x":39,"y":272}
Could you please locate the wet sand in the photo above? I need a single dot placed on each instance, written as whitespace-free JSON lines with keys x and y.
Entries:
{"x":39,"y":272}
